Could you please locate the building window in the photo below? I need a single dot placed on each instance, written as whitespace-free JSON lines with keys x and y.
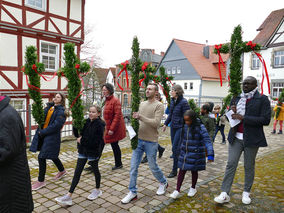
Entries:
{"x":174,"y":70}
{"x":49,"y":56}
{"x":190,"y":85}
{"x":168,"y":71}
{"x":278,"y":58}
{"x":185,"y":86}
{"x":178,"y":70}
{"x":20,"y":108}
{"x":124,"y":83}
{"x":125,"y":100}
{"x":277,"y":89}
{"x":37,"y":4}
{"x":255,"y":62}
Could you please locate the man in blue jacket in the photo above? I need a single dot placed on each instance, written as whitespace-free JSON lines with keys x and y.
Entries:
{"x":253,"y":111}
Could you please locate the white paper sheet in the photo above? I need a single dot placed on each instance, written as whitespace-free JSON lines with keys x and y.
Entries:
{"x":131,"y":132}
{"x":233,"y":122}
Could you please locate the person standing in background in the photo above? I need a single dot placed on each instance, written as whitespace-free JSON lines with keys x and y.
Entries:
{"x":220,"y":124}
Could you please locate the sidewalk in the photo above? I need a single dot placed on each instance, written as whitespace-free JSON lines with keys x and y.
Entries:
{"x":114,"y":184}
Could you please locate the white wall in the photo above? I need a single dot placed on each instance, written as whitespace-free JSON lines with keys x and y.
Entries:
{"x":75,"y":9}
{"x":8,"y":42}
{"x":213,"y":88}
{"x":58,"y":7}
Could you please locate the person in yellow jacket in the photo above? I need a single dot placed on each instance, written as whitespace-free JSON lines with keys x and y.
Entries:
{"x":280,"y":118}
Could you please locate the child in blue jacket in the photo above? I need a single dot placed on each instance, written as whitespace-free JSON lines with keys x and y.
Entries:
{"x":194,"y":140}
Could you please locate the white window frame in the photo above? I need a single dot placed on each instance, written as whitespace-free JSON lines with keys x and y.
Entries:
{"x":178,"y":70}
{"x":169,"y":71}
{"x":281,"y":59}
{"x":41,"y":54}
{"x":43,"y":8}
{"x":255,"y":63}
{"x":174,"y":70}
{"x":22,"y":112}
{"x":279,"y":86}
{"x":185,"y":86}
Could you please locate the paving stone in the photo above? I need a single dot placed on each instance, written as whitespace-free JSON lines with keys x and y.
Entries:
{"x":137,"y":209}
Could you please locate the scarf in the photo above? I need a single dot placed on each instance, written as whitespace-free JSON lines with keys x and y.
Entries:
{"x":241,"y":106}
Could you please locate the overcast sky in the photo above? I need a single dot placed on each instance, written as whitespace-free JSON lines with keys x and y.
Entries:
{"x":157,"y":22}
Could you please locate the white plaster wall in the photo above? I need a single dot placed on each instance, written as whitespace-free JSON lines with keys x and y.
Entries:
{"x":61,"y":24}
{"x":15,"y":1}
{"x":58,"y":7}
{"x":213,"y":88}
{"x":48,"y":84}
{"x":31,"y":17}
{"x":27,"y":41}
{"x":17,"y":13}
{"x":75,"y":9}
{"x":73,"y":27}
{"x":8,"y":42}
{"x":13,"y":76}
{"x":63,"y":83}
{"x":188,"y":91}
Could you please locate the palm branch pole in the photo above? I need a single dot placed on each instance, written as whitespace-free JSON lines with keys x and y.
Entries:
{"x":33,"y":70}
{"x":235,"y":48}
{"x":72,"y":70}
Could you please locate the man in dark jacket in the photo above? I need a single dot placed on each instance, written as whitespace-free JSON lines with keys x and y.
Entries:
{"x":253,"y":111}
{"x":15,"y":183}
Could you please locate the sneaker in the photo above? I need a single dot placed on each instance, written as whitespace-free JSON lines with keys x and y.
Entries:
{"x":191,"y":192}
{"x":246,"y":199}
{"x":95,"y":194}
{"x":89,"y":168}
{"x":161,"y":152}
{"x":65,"y":200}
{"x":222,"y":198}
{"x":174,"y":194}
{"x":60,"y":175}
{"x":162,"y":188}
{"x":144,"y":160}
{"x":129,"y":197}
{"x":37,"y":185}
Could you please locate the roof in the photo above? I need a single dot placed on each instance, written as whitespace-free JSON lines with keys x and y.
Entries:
{"x":268,"y":27}
{"x":113,"y":69}
{"x":207,"y":68}
{"x":101,"y":74}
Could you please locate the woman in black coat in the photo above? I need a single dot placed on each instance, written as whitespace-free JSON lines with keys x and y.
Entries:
{"x":15,"y":185}
{"x":48,"y":139}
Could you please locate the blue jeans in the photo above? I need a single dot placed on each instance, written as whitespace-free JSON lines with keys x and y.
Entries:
{"x":150,"y":148}
{"x":221,"y":129}
{"x":176,"y":139}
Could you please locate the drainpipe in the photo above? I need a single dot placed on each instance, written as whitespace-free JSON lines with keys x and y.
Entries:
{"x":200,"y":93}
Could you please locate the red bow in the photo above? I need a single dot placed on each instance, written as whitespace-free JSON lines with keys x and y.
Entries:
{"x":144,"y":66}
{"x":124,"y":68}
{"x":264,"y":72}
{"x":168,"y":79}
{"x":45,"y":78}
{"x":77,"y":66}
{"x":218,"y":47}
{"x":34,"y":67}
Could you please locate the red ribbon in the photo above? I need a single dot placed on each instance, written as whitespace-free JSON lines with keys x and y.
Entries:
{"x":144,"y":66}
{"x":168,"y":79}
{"x":34,"y":67}
{"x":77,"y":66}
{"x":126,"y":74}
{"x":252,"y":45}
{"x":218,"y":47}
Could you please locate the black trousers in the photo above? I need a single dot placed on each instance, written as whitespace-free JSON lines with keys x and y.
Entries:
{"x":117,"y":153}
{"x":42,"y":167}
{"x":78,"y":171}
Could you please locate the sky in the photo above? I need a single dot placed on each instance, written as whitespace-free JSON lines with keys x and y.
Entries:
{"x":157,"y":22}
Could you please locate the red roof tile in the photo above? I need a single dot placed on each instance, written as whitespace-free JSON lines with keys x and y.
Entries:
{"x":268,"y":27}
{"x":206,"y":68}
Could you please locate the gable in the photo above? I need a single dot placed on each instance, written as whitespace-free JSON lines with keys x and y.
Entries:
{"x":175,"y":58}
{"x":278,"y":38}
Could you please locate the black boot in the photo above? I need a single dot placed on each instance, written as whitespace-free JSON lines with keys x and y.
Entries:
{"x":273,"y":132}
{"x":161,"y":152}
{"x":144,"y":160}
{"x":280,"y":132}
{"x":172,"y":174}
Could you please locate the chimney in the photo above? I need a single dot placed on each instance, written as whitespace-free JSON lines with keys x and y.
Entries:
{"x":206,"y":50}
{"x":153,"y":51}
{"x":162,"y":54}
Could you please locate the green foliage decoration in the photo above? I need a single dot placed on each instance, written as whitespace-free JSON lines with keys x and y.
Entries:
{"x":34,"y":81}
{"x":193,"y":106}
{"x":74,"y":84}
{"x":164,"y":80}
{"x":135,"y":70}
{"x":149,"y":71}
{"x":235,"y":48}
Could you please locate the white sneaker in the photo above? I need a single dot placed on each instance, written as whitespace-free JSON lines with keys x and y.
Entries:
{"x":191,"y":192}
{"x":174,"y":194}
{"x":129,"y":197}
{"x":222,"y":198}
{"x":162,"y":188}
{"x":246,"y":199}
{"x":95,"y":194}
{"x":65,"y":200}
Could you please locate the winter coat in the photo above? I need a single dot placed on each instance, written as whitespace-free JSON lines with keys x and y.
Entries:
{"x":209,"y":124}
{"x":92,"y":141}
{"x":281,"y":114}
{"x":257,"y":115}
{"x":114,"y":120}
{"x":15,"y":181}
{"x":192,"y":149}
{"x":49,"y":140}
{"x":177,"y":109}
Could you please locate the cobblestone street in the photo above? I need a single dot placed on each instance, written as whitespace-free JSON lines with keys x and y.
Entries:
{"x":114,"y":184}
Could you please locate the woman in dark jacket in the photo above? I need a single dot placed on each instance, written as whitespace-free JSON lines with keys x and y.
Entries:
{"x":192,"y":151}
{"x":48,"y":139}
{"x":90,"y":147}
{"x":115,"y":126}
{"x":15,"y":182}
{"x":178,"y":107}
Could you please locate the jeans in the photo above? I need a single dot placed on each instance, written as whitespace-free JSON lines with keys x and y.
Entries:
{"x":221,"y":129}
{"x":176,"y":139}
{"x":150,"y":148}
